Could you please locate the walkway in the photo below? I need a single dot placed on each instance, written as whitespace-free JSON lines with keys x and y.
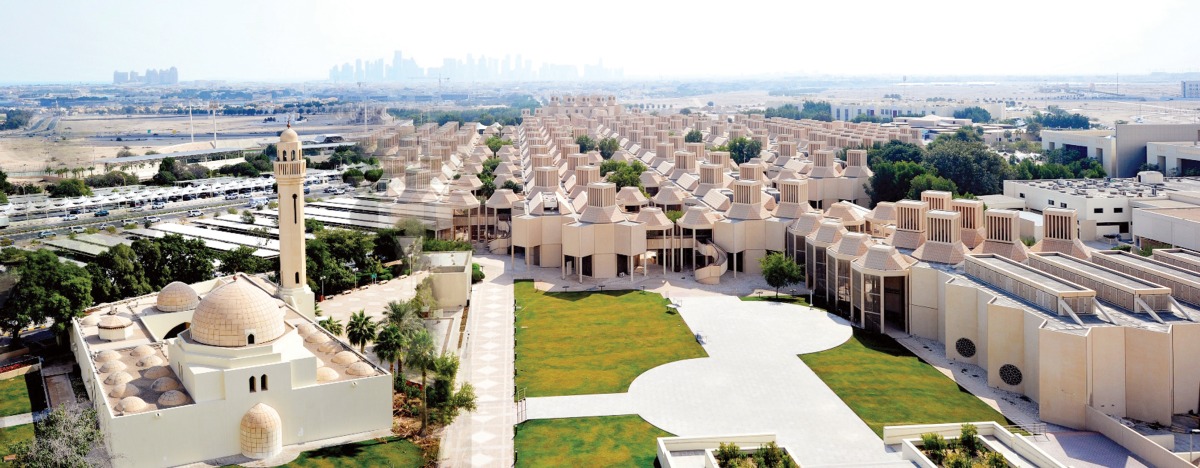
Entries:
{"x":752,"y":382}
{"x":485,"y":436}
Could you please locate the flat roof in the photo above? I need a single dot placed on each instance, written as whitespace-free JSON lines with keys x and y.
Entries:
{"x":212,"y":234}
{"x":1103,"y":274}
{"x":1018,"y":270}
{"x":210,"y":243}
{"x":1188,"y":214}
{"x":72,"y":245}
{"x":1141,"y":262}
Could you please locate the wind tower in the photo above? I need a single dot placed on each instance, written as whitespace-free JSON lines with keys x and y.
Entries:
{"x":289,"y":176}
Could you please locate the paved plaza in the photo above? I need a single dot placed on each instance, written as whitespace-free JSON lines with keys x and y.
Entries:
{"x":752,"y":382}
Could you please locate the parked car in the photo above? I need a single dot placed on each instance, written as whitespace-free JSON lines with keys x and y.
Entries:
{"x":340,"y":191}
{"x":77,"y":229}
{"x":153,"y":219}
{"x":74,"y":211}
{"x":195,"y":213}
{"x":45,"y":234}
{"x":157,"y":206}
{"x":138,"y":208}
{"x":103,"y":226}
{"x":100,"y":213}
{"x":70,"y":217}
{"x":232,"y":196}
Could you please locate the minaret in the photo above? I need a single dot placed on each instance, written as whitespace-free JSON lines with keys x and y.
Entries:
{"x":289,"y":176}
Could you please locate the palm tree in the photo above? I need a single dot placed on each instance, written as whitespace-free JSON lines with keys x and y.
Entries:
{"x":333,"y":326}
{"x":422,"y":354}
{"x":389,"y":344}
{"x":361,"y":330}
{"x":404,"y":316}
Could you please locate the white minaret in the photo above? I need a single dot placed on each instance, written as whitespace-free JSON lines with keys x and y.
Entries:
{"x":289,"y":175}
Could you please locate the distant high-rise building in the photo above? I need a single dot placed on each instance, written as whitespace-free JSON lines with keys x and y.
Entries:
{"x":1191,"y":89}
{"x":168,"y":76}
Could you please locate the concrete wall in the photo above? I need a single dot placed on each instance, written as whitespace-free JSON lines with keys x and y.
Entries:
{"x":1132,"y":140}
{"x":1149,"y":451}
{"x":1170,"y":156}
{"x":1062,"y":371}
{"x":1185,"y":343}
{"x":1161,"y":226}
{"x":1148,"y":375}
{"x":924,"y":315}
{"x":1106,"y":346}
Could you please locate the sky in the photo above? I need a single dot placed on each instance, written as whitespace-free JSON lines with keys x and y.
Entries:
{"x":299,"y":40}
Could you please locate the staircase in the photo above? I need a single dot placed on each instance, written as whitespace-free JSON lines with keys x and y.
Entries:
{"x":499,"y":246}
{"x":717,"y":263}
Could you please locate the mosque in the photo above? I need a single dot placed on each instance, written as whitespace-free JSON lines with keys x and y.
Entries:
{"x":228,"y":368}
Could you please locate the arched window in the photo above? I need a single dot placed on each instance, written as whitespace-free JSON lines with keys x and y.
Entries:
{"x":262,"y":382}
{"x":252,"y":389}
{"x":250,"y":339}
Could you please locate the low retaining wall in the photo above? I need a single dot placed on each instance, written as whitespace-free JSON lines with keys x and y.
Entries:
{"x":905,"y":435}
{"x":1140,"y":445}
{"x":666,"y":445}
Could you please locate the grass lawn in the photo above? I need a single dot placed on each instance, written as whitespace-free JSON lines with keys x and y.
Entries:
{"x":14,"y":396}
{"x":595,"y":441}
{"x":886,"y":385}
{"x":395,"y":452}
{"x":14,"y":434}
{"x":581,"y":343}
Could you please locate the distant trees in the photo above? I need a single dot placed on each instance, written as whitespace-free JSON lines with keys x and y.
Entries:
{"x":353,"y":176}
{"x":693,"y":136}
{"x":975,"y":113}
{"x":1055,"y":117}
{"x":586,"y":143}
{"x":608,"y":147}
{"x":69,"y":188}
{"x":171,"y":170}
{"x":742,"y":149}
{"x":495,"y":142}
{"x":15,"y":118}
{"x":111,"y":179}
{"x":815,"y":110}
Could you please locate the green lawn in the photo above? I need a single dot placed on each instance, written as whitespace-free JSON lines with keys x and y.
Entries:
{"x":14,"y":396}
{"x":582,"y":343}
{"x":595,"y":441}
{"x":14,"y":434}
{"x":886,"y":385}
{"x":395,"y":452}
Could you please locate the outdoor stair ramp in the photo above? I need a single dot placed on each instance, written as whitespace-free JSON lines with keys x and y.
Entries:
{"x":717,"y":263}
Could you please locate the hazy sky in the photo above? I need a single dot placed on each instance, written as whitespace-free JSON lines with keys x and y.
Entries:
{"x":85,"y":40}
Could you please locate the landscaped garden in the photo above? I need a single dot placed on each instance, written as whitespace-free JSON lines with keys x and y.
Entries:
{"x":393,"y":452}
{"x":887,"y":385}
{"x":579,"y":343}
{"x":13,"y":434}
{"x":595,"y":441}
{"x":14,"y":397}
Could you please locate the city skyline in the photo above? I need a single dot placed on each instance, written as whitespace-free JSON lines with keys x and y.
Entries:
{"x":645,"y":40}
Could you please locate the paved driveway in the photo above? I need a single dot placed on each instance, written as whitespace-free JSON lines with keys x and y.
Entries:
{"x":752,"y":382}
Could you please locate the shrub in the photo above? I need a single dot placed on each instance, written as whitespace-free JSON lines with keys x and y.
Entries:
{"x":112,"y":229}
{"x":969,"y":439}
{"x":231,"y":210}
{"x":995,"y":460}
{"x":247,"y":217}
{"x":476,"y":273}
{"x":727,"y":453}
{"x":956,"y":460}
{"x":934,"y":446}
{"x":129,"y":226}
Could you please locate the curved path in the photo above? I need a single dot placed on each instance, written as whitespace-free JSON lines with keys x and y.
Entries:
{"x":752,"y":382}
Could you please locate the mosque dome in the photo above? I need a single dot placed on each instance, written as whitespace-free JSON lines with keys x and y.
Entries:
{"x":132,"y":404}
{"x":124,"y":390}
{"x":107,"y":355}
{"x":237,"y":314}
{"x":150,"y":361}
{"x":163,"y":384}
{"x":112,"y":366}
{"x":142,"y":351}
{"x":288,"y":136}
{"x":119,"y":377}
{"x":172,"y":398}
{"x":325,"y":374}
{"x":177,"y":297}
{"x":360,"y":369}
{"x":345,"y":358}
{"x":156,"y":372}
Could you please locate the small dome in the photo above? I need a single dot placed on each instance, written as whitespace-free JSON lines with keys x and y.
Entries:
{"x":107,"y":355}
{"x":124,"y":390}
{"x":237,"y":314}
{"x":150,"y":361}
{"x":325,"y":374}
{"x":177,"y":297}
{"x":345,"y":357}
{"x":90,"y":321}
{"x":330,"y":347}
{"x":306,"y":329}
{"x":142,"y":351}
{"x":156,"y":372}
{"x":317,"y":337}
{"x":288,"y":135}
{"x":172,"y":398}
{"x":114,"y":322}
{"x":360,"y":369}
{"x":132,"y":404}
{"x":119,"y":377}
{"x":163,"y":384}
{"x":261,"y":432}
{"x":112,"y":366}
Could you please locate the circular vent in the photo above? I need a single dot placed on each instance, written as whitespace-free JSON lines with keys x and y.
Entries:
{"x":965,"y":347}
{"x":1010,"y":374}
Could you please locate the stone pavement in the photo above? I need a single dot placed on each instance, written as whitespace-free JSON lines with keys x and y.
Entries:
{"x":752,"y":382}
{"x":1086,"y":449}
{"x":485,"y":437}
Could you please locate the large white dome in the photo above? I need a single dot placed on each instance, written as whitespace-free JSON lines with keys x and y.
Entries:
{"x":237,"y":314}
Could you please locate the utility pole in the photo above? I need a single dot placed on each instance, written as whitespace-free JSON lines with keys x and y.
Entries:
{"x":212,"y":107}
{"x":191,"y":128}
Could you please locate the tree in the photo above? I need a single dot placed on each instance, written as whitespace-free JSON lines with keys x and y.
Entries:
{"x":442,"y":396}
{"x":623,"y":174}
{"x":69,"y":436}
{"x":511,"y":184}
{"x":15,"y":118}
{"x":373,"y":175}
{"x":975,"y":113}
{"x":970,"y":165}
{"x":816,"y":110}
{"x":779,"y":270}
{"x":69,"y":188}
{"x":968,"y":439}
{"x":586,"y":143}
{"x":742,"y":149}
{"x":389,"y":345}
{"x":929,"y":181}
{"x":896,"y":151}
{"x":47,"y":290}
{"x":608,"y":147}
{"x":495,"y":142}
{"x":892,"y":180}
{"x":242,"y":259}
{"x":360,"y":330}
{"x":117,"y":274}
{"x":353,"y":176}
{"x":421,"y":354}
{"x":333,"y":326}
{"x":313,"y":225}
{"x":693,"y":136}
{"x":174,"y":258}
